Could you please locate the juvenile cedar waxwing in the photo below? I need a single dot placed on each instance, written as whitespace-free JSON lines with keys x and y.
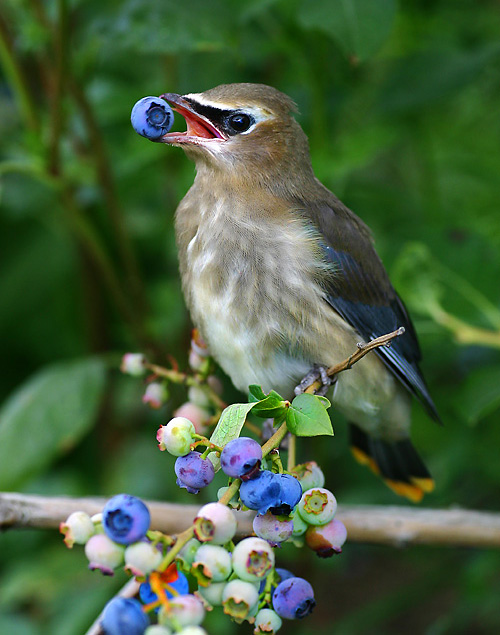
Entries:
{"x":279,"y":275}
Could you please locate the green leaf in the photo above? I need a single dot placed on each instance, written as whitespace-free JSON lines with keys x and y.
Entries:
{"x":47,"y":416}
{"x":266,"y":406}
{"x":229,"y":426}
{"x":307,"y":417}
{"x":423,"y":78}
{"x":326,"y":402}
{"x":255,"y":393}
{"x":359,"y":27}
{"x":480,"y":395}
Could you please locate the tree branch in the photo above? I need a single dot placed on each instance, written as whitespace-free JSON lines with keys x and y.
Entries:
{"x":392,"y":525}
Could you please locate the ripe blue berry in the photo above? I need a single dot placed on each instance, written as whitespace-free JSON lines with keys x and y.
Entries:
{"x":293,"y":598}
{"x":240,"y":458}
{"x":193,"y":472}
{"x":277,"y":493}
{"x":125,"y":519}
{"x":290,"y":493}
{"x":124,"y":616}
{"x":262,"y":492}
{"x":152,"y":117}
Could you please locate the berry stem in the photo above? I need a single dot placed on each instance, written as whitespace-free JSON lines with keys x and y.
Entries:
{"x":177,"y":377}
{"x":292,"y":449}
{"x":276,"y":460}
{"x":275,"y":440}
{"x":182,"y":539}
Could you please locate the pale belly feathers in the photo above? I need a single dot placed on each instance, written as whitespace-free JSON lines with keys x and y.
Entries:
{"x":253,"y":295}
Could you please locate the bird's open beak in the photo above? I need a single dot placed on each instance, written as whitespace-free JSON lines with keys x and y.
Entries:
{"x":199,"y":128}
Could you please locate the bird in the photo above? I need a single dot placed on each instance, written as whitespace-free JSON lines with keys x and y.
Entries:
{"x":280,"y":277}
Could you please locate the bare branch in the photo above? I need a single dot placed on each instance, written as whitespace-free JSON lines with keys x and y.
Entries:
{"x":363,"y":349}
{"x":395,"y":525}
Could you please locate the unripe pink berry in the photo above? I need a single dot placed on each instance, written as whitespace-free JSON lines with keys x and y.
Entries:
{"x":273,"y":529}
{"x":328,"y":539}
{"x":252,"y":559}
{"x":215,"y":523}
{"x":78,"y":528}
{"x":183,"y":610}
{"x":104,"y":554}
{"x":141,"y":558}
{"x":133,"y":364}
{"x":238,"y":598}
{"x":317,"y":506}
{"x":176,"y":437}
{"x":156,"y":395}
{"x":196,"y":414}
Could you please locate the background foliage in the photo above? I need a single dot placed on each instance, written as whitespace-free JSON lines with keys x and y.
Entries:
{"x":401,"y":107}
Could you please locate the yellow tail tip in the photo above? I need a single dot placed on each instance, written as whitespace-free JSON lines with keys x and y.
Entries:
{"x":364,"y":459}
{"x":412,"y":492}
{"x":427,"y":485}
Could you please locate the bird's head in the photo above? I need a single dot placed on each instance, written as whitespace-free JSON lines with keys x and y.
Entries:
{"x":248,"y":127}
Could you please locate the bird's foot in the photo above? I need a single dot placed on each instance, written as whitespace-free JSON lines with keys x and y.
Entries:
{"x":317,"y":373}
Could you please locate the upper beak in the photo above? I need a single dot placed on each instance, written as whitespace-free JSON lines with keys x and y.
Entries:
{"x":198,"y":127}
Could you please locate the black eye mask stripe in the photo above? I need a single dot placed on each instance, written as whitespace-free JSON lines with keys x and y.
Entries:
{"x":214,"y":114}
{"x":218,"y":116}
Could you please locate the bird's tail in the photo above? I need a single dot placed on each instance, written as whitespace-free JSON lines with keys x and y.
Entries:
{"x":396,"y":462}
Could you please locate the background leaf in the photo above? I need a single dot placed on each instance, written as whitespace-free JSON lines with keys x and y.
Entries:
{"x":47,"y":416}
{"x":359,"y":27}
{"x":480,"y":394}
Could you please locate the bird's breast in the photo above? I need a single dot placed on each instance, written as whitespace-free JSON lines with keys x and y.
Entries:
{"x":252,"y":286}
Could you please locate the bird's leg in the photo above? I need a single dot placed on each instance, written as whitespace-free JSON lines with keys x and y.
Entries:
{"x":317,"y":373}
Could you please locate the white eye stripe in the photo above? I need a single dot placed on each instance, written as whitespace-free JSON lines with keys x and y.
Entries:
{"x":255,"y":111}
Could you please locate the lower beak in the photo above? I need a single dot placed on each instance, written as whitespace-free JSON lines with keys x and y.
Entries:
{"x":198,"y":127}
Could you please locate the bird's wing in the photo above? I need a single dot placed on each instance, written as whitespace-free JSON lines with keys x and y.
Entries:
{"x":359,"y":289}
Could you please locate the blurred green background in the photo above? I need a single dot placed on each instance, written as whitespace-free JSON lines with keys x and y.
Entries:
{"x":401,"y":103}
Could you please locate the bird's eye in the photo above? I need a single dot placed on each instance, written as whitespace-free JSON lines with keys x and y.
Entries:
{"x":240,"y":122}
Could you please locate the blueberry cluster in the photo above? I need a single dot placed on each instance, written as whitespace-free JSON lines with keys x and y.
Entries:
{"x":120,"y":537}
{"x":181,"y":577}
